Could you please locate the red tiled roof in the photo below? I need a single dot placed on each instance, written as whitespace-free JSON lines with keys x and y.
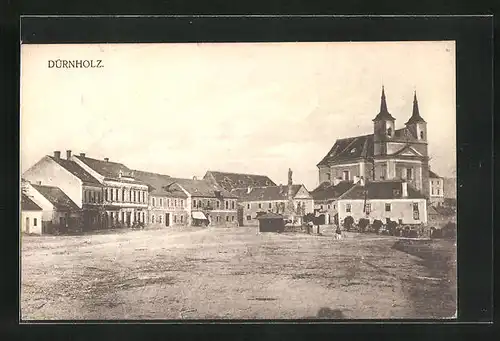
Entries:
{"x":28,"y":205}
{"x":160,"y":184}
{"x":57,"y":198}
{"x":265,"y":193}
{"x":382,"y":190}
{"x":76,"y":170}
{"x":230,"y":181}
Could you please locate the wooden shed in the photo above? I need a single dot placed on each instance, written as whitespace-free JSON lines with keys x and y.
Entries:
{"x":271,"y":222}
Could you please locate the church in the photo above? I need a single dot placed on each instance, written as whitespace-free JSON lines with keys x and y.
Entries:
{"x":388,"y":154}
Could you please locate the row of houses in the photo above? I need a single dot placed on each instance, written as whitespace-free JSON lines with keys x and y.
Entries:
{"x":384,"y":175}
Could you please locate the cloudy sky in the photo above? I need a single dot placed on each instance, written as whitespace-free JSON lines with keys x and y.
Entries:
{"x":182,"y":109}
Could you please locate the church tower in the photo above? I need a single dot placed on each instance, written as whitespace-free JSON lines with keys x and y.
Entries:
{"x":417,"y":127}
{"x":383,"y":128}
{"x":416,"y":124}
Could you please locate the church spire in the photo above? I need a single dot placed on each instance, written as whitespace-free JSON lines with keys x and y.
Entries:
{"x":415,"y":115}
{"x":384,"y":113}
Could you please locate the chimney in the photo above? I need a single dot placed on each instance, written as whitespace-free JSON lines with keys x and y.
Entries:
{"x":68,"y":154}
{"x":105,"y":159}
{"x":57,"y":154}
{"x":82,"y":154}
{"x":404,"y":189}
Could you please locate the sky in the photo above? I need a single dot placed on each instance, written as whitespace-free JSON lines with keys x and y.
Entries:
{"x":259,"y":108}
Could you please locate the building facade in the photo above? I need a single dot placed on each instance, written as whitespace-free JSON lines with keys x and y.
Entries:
{"x":326,"y":196}
{"x":124,"y":198}
{"x":31,"y":216}
{"x":386,"y":154}
{"x":167,"y":204}
{"x":207,"y":203}
{"x":394,"y":200}
{"x":436,"y":185}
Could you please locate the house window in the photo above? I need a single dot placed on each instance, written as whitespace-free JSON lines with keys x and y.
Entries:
{"x":328,"y":206}
{"x":175,"y":202}
{"x":368,"y":208}
{"x":348,"y":208}
{"x":153,"y":219}
{"x":345,"y":175}
{"x":249,"y":217}
{"x":227,"y":205}
{"x":248,"y":206}
{"x":438,"y":192}
{"x":218,"y":203}
{"x":182,"y":218}
{"x":161,"y":202}
{"x":383,"y":172}
{"x":232,"y":218}
{"x":321,"y":207}
{"x":333,"y":206}
{"x":160,"y":219}
{"x":232,"y":205}
{"x":217,"y":218}
{"x":227,"y":218}
{"x":422,"y":135}
{"x":328,"y":176}
{"x":143,"y":220}
{"x":409,"y":173}
{"x":432,"y":191}
{"x":34,"y":221}
{"x":387,"y":207}
{"x":175,"y":218}
{"x":260,"y":205}
{"x":194,"y":203}
{"x":270,"y":205}
{"x":389,"y":131}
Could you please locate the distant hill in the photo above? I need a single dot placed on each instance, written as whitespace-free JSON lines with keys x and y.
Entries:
{"x":450,"y":188}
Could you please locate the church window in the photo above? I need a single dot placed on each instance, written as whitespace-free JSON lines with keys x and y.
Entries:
{"x":346,"y":175}
{"x":389,"y":131}
{"x":328,"y":176}
{"x":422,"y":135}
{"x":409,"y":173}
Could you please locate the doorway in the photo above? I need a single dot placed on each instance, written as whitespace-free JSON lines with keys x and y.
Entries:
{"x":27,"y":225}
{"x":167,"y":219}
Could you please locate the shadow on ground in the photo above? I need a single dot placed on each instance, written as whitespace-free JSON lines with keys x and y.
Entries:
{"x":328,"y":314}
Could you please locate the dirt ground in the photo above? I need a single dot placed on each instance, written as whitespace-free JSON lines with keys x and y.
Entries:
{"x":228,"y":273}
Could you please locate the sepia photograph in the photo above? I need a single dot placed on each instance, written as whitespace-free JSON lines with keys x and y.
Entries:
{"x":248,"y":181}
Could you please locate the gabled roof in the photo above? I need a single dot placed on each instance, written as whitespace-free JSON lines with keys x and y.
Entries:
{"x":327,"y":191}
{"x":350,"y":148}
{"x":28,"y":205}
{"x":433,"y":175}
{"x":382,"y":190}
{"x":266,"y":193}
{"x":270,"y":215}
{"x":57,"y":198}
{"x":203,"y":188}
{"x":76,"y":170}
{"x":160,"y":184}
{"x":109,"y":170}
{"x":230,"y":181}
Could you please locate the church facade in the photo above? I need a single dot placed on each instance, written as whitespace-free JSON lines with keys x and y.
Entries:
{"x":385,"y":155}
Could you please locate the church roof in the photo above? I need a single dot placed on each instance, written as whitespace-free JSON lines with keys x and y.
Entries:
{"x":349,"y":148}
{"x":415,"y":116}
{"x":384,"y":113}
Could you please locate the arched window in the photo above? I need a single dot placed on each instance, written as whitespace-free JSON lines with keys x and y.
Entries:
{"x":422,"y":135}
{"x":389,"y":131}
